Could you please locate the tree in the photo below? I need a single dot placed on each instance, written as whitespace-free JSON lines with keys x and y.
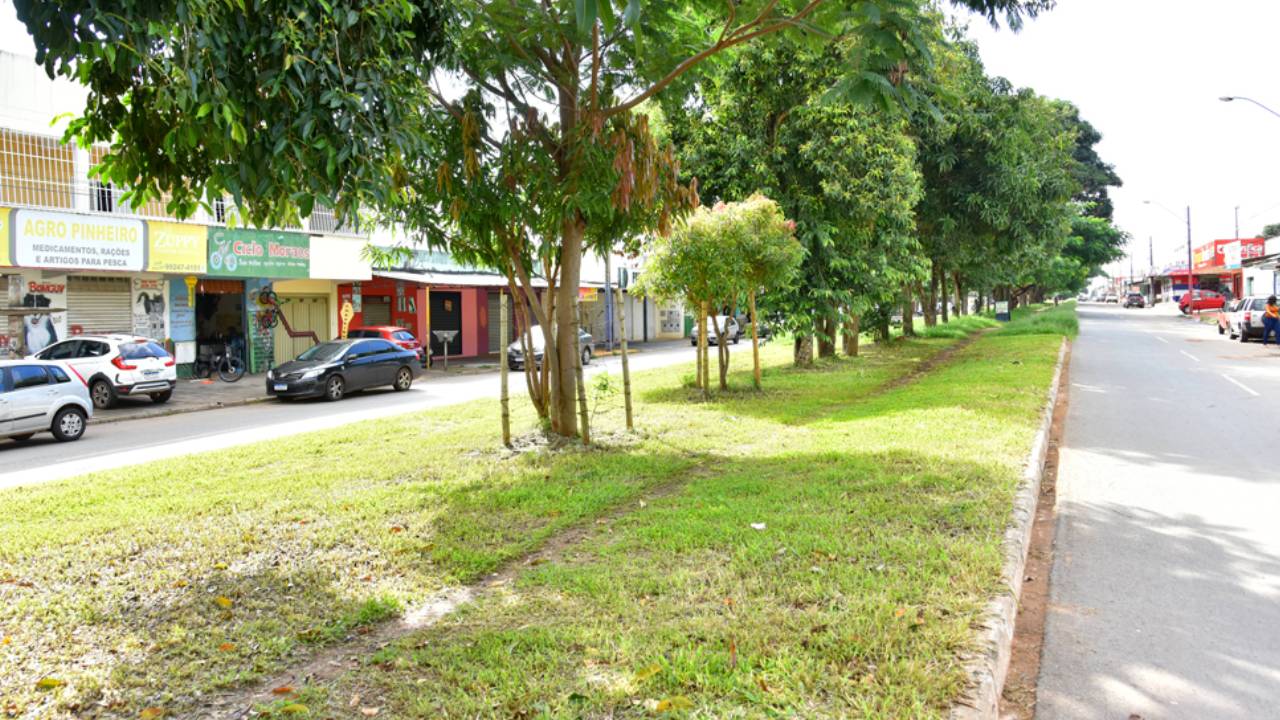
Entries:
{"x":1093,"y":175}
{"x":503,"y":132}
{"x":844,"y":172}
{"x":1270,"y":231}
{"x":771,"y":259}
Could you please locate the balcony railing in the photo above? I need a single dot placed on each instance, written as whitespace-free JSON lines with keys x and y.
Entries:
{"x":41,"y":172}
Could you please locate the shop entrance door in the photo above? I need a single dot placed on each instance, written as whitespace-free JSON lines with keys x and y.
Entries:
{"x":303,"y":313}
{"x":446,"y":314}
{"x":220,"y":318}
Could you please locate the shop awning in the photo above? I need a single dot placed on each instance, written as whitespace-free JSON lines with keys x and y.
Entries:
{"x":462,"y":279}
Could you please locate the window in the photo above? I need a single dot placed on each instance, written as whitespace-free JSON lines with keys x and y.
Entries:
{"x":58,"y":375}
{"x":61,"y":351}
{"x":366,"y":348}
{"x":101,"y":197}
{"x":363,"y":334}
{"x":92,"y":348}
{"x":138,"y":351}
{"x":323,"y":352}
{"x":220,"y":210}
{"x":404,"y":335}
{"x":25,"y":376}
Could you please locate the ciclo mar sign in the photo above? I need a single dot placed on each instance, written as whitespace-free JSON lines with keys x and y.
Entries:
{"x":258,"y":254}
{"x":77,"y":242}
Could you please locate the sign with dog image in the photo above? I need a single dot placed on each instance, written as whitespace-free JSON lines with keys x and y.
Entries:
{"x":149,"y":302}
{"x":39,"y":291}
{"x":245,"y":253}
{"x":67,"y":241}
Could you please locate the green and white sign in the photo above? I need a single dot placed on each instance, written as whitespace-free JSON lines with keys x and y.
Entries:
{"x":258,"y":253}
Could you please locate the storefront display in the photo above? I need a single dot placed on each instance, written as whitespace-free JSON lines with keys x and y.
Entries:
{"x":258,"y":253}
{"x":150,"y":318}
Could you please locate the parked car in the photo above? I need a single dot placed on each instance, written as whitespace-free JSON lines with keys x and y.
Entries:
{"x":1111,"y":298}
{"x":728,"y":325}
{"x":396,"y":335}
{"x":39,"y":396}
{"x":1244,"y":321}
{"x":333,"y":369}
{"x":515,"y":351}
{"x":1226,"y":318}
{"x":116,"y":365}
{"x":1134,"y":299}
{"x":1200,"y":300}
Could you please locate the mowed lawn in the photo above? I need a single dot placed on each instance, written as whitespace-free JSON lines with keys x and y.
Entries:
{"x":818,"y":549}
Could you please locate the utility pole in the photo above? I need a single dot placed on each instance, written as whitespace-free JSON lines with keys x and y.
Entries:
{"x":1191,"y":279}
{"x":1237,"y":235}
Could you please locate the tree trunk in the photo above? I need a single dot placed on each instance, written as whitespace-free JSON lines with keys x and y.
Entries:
{"x":908,"y":313}
{"x":944,"y":296}
{"x":504,"y":333}
{"x":697,"y":353}
{"x":578,"y":380}
{"x":962,"y":302}
{"x":722,"y":352}
{"x":827,"y":336}
{"x":851,"y":329}
{"x":931,"y":300}
{"x":755,"y":340}
{"x":564,"y":353}
{"x":626,"y":366}
{"x":803,"y":350}
{"x":702,"y":350}
{"x":882,"y":334}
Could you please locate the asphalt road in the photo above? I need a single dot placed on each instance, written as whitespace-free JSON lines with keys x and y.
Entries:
{"x":1165,"y":594}
{"x":112,"y":445}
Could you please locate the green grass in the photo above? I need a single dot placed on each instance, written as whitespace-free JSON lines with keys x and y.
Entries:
{"x":148,"y":586}
{"x":1044,"y":319}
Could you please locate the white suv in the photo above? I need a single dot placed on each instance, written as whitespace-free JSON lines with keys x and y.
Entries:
{"x":40,"y":396}
{"x":115,"y":365}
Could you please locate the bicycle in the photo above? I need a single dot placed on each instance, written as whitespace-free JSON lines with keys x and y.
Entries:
{"x":227,"y":364}
{"x":267,"y":319}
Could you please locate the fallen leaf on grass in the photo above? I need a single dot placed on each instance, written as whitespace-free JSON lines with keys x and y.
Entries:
{"x":679,"y":702}
{"x":764,"y":686}
{"x":227,"y":647}
{"x":758,"y":526}
{"x":295,"y":709}
{"x":647,"y":672}
{"x":5,"y":640}
{"x":899,"y":612}
{"x":224,"y":602}
{"x":151,"y":713}
{"x":48,"y":683}
{"x":220,"y":566}
{"x":733,"y":654}
{"x":370,"y":711}
{"x":397,"y":529}
{"x":282,"y":690}
{"x":355,"y":700}
{"x":179,"y":583}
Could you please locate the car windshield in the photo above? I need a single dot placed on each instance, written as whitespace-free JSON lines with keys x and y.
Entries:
{"x":324,"y":352}
{"x":141,"y":350}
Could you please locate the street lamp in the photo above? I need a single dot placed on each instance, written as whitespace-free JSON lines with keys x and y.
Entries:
{"x":1230,"y":98}
{"x":1191,"y":278}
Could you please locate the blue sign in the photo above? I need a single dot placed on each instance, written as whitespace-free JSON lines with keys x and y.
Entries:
{"x":182,"y":313}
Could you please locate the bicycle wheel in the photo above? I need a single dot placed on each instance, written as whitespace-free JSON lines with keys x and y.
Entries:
{"x":231,"y":369}
{"x":267,"y":296}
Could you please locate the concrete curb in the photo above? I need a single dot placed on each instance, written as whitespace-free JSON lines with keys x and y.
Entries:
{"x":96,"y":420}
{"x":988,"y":669}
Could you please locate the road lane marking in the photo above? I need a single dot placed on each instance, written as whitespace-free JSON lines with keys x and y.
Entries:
{"x":1193,"y":357}
{"x":1166,"y":342}
{"x":1241,"y":385}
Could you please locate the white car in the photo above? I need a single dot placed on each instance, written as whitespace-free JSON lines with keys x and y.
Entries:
{"x":1244,"y":319}
{"x":115,"y":365}
{"x":38,"y":396}
{"x":728,"y":325}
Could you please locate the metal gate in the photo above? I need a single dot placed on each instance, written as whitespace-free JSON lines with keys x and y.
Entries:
{"x":303,"y":313}
{"x":98,"y":305}
{"x":377,"y":310}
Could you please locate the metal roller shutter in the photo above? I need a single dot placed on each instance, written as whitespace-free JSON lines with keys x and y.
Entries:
{"x":377,"y":310}
{"x":304,"y":312}
{"x":97,"y":305}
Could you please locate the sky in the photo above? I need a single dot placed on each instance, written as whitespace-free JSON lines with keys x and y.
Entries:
{"x":1148,"y":75}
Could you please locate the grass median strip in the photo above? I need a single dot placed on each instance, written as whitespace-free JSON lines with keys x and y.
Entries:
{"x":152,"y":586}
{"x":837,"y":570}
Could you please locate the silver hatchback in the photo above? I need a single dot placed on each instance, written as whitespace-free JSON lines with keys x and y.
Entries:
{"x":41,"y":396}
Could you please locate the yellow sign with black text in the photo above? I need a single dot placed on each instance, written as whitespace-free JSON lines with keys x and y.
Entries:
{"x":177,"y":247}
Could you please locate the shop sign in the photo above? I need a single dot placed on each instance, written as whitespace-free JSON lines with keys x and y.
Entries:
{"x":177,"y":247}
{"x":258,"y":254}
{"x":78,"y":242}
{"x":182,"y":311}
{"x":588,"y":294}
{"x":149,"y":317}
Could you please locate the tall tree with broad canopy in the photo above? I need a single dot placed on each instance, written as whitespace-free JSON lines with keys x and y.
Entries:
{"x":502,"y":131}
{"x":844,"y":172}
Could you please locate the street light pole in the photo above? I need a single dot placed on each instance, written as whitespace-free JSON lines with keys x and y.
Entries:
{"x":1229,"y":98}
{"x":1191,"y":278}
{"x":1237,"y":237}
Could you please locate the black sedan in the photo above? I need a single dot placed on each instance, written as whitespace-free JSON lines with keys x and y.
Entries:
{"x":515,"y":351}
{"x":333,"y":369}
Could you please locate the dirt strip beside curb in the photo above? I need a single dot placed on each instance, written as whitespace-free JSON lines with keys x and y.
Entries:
{"x":988,"y":669}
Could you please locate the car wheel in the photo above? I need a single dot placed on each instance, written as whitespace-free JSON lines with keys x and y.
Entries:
{"x":23,"y":437}
{"x":586,"y":356}
{"x":1244,"y":335}
{"x":161,"y":398}
{"x":335,"y":388}
{"x":103,"y":395}
{"x":68,"y":424}
{"x":404,"y":378}
{"x":1221,"y":330}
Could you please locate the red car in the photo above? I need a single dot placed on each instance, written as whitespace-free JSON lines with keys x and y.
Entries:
{"x":1200,"y":300}
{"x":396,"y":335}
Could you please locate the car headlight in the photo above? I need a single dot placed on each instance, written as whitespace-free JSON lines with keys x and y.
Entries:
{"x":312,"y":373}
{"x":271,"y":374}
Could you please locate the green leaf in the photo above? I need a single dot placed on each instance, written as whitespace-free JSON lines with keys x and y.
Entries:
{"x":205,"y":109}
